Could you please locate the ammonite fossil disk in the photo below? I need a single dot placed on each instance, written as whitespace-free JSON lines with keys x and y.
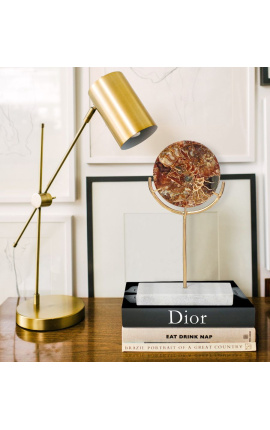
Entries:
{"x":186,"y":173}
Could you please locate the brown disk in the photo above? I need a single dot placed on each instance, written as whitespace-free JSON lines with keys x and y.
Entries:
{"x":186,"y":173}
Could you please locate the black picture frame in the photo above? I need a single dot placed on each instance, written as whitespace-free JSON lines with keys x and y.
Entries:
{"x":89,"y":202}
{"x":264,"y":76}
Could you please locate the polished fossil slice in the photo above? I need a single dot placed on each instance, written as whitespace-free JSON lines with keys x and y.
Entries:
{"x":186,"y":173}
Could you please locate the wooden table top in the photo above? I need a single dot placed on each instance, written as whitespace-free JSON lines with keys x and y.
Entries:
{"x":98,"y":338}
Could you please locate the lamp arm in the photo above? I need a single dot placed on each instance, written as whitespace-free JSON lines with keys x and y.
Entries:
{"x":87,"y":118}
{"x":25,"y":227}
{"x":86,"y":121}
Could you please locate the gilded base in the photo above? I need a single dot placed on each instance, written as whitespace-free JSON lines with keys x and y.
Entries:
{"x":53,"y":313}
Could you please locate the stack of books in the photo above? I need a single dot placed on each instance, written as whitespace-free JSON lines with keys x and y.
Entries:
{"x":180,"y":329}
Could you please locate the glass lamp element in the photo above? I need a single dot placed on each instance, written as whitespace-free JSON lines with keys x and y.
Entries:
{"x":122,"y":110}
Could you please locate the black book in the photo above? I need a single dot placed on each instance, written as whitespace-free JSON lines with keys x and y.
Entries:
{"x":240,"y":314}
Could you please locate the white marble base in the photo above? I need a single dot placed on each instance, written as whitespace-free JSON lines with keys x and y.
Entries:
{"x":173,"y":294}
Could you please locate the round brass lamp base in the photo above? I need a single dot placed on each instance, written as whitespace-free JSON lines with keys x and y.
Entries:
{"x":53,"y":313}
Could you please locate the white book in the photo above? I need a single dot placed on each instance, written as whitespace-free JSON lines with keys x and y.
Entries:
{"x":183,"y":334}
{"x":188,"y":347}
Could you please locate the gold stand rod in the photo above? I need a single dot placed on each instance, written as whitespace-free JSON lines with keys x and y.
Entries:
{"x":36,"y":295}
{"x":184,"y":214}
{"x":41,"y":160}
{"x":185,"y":249}
{"x":87,"y":118}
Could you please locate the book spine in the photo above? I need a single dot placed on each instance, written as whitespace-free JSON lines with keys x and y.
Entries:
{"x":188,"y":347}
{"x":215,"y":316}
{"x":192,"y":335}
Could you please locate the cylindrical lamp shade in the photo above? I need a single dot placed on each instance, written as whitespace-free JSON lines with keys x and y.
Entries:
{"x":122,"y":110}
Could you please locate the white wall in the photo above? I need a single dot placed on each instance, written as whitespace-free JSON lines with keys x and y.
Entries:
{"x":258,"y":167}
{"x":78,"y":208}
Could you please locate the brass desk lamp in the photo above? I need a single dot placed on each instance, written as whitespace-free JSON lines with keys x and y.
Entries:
{"x":130,"y":124}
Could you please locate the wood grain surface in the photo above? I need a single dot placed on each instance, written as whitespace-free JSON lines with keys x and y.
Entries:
{"x":98,"y":338}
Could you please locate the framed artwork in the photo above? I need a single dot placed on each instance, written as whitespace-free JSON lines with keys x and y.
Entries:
{"x":18,"y":265}
{"x":213,"y":106}
{"x":29,"y":97}
{"x":266,"y":143}
{"x":132,"y":238}
{"x":265,"y":75}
